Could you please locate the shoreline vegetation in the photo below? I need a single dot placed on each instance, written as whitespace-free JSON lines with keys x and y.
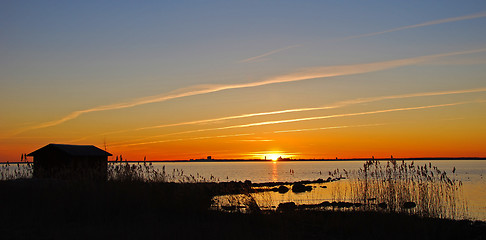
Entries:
{"x":393,"y":200}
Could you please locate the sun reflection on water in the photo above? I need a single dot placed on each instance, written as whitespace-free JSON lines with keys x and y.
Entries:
{"x":274,"y":171}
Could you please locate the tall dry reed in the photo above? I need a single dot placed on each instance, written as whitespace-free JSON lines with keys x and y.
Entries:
{"x":407,"y":188}
{"x":146,"y":172}
{"x":16,"y":171}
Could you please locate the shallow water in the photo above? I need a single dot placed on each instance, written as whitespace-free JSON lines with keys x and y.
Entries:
{"x":291,"y":171}
{"x":470,"y":172}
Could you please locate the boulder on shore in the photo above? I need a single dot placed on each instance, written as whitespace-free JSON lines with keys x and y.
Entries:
{"x":286,"y":207}
{"x":282,"y":189}
{"x":409,"y":205}
{"x":299,"y":188}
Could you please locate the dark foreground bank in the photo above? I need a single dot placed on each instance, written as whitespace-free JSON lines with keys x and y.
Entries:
{"x":52,"y":209}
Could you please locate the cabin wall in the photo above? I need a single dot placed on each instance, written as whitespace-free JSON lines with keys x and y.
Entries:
{"x":91,"y":167}
{"x":51,"y":164}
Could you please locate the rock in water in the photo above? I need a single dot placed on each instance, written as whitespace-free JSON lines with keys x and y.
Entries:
{"x":283,"y":189}
{"x":299,"y":187}
{"x":286,"y":207}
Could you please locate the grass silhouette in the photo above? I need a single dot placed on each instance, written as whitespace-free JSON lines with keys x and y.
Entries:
{"x":140,"y":202}
{"x":404,"y":188}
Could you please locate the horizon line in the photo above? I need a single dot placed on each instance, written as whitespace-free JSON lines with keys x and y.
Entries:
{"x":282,"y":160}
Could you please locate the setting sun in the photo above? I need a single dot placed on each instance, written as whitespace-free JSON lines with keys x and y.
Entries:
{"x":302,"y":96}
{"x":243,"y":119}
{"x":272,"y":156}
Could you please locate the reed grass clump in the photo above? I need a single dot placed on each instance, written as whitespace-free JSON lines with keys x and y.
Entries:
{"x":135,"y":172}
{"x":408,"y":188}
{"x":116,"y":171}
{"x":146,"y":172}
{"x":16,"y":171}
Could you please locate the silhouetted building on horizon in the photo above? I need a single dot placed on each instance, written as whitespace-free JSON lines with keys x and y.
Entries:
{"x":70,"y":162}
{"x":207,"y":159}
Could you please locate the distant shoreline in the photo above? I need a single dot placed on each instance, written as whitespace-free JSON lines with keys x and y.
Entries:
{"x":292,"y":160}
{"x":317,"y":160}
{"x":313,"y":160}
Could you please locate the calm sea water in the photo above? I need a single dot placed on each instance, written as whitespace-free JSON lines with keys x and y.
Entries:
{"x":470,"y":172}
{"x":258,"y":172}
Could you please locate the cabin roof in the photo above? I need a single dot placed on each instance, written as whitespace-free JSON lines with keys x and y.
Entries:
{"x":73,"y":150}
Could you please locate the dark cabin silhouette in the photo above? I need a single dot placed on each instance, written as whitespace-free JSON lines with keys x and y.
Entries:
{"x":70,"y":162}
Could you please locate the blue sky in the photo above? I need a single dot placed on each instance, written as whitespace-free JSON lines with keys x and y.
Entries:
{"x":59,"y":57}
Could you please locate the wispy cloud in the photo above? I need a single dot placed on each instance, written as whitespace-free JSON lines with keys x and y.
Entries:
{"x":329,"y":116}
{"x":260,"y":57}
{"x":293,"y":121}
{"x":328,"y":128}
{"x":435,"y":22}
{"x":184,"y":139}
{"x":330,"y":106}
{"x":458,"y":61}
{"x":256,"y":140}
{"x":306,"y":74}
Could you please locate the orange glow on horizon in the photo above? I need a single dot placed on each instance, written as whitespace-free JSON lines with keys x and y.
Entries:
{"x":272,"y":157}
{"x":313,"y":94}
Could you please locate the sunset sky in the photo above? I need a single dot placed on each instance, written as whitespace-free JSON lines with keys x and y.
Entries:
{"x":174,"y":80}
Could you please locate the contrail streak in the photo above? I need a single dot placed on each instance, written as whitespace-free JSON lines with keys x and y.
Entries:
{"x":328,"y":116}
{"x":185,"y":139}
{"x":435,"y":22}
{"x":252,"y":59}
{"x":304,"y":119}
{"x":243,"y":134}
{"x":332,"y":106}
{"x":327,"y":128}
{"x":257,"y":140}
{"x":311,"y":73}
